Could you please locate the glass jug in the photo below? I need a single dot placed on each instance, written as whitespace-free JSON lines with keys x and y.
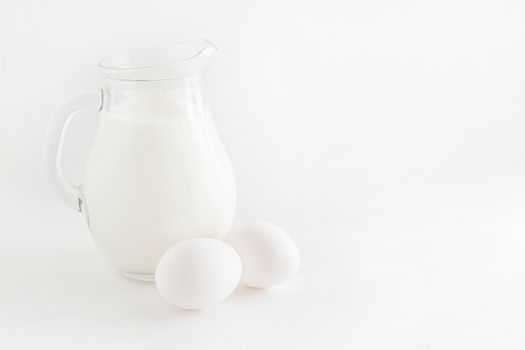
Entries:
{"x":157,"y":172}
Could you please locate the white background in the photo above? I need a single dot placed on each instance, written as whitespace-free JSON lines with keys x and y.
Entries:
{"x":387,"y":137}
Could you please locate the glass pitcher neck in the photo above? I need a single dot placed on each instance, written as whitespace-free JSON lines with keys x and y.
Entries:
{"x":154,"y":85}
{"x":155,"y":99}
{"x":157,"y":82}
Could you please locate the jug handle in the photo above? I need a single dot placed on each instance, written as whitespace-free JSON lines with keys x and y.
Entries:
{"x":87,"y":99}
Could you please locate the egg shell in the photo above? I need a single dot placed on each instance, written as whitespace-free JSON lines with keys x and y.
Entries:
{"x":269,"y":255}
{"x":197,"y":273}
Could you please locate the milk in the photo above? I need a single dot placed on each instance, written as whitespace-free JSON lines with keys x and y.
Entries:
{"x":157,"y":174}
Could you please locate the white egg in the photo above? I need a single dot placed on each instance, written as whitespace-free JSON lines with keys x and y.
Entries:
{"x":269,"y":256}
{"x":197,"y":273}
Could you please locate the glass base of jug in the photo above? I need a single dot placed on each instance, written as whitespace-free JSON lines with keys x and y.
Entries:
{"x":140,"y":276}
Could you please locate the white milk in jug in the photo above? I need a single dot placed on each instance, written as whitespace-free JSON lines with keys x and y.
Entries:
{"x":157,"y":174}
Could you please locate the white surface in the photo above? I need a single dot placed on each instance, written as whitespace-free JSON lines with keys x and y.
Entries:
{"x":386,"y":137}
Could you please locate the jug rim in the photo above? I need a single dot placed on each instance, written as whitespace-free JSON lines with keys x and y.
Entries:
{"x":160,"y":62}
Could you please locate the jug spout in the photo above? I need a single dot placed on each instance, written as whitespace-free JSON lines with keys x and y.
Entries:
{"x":175,"y":61}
